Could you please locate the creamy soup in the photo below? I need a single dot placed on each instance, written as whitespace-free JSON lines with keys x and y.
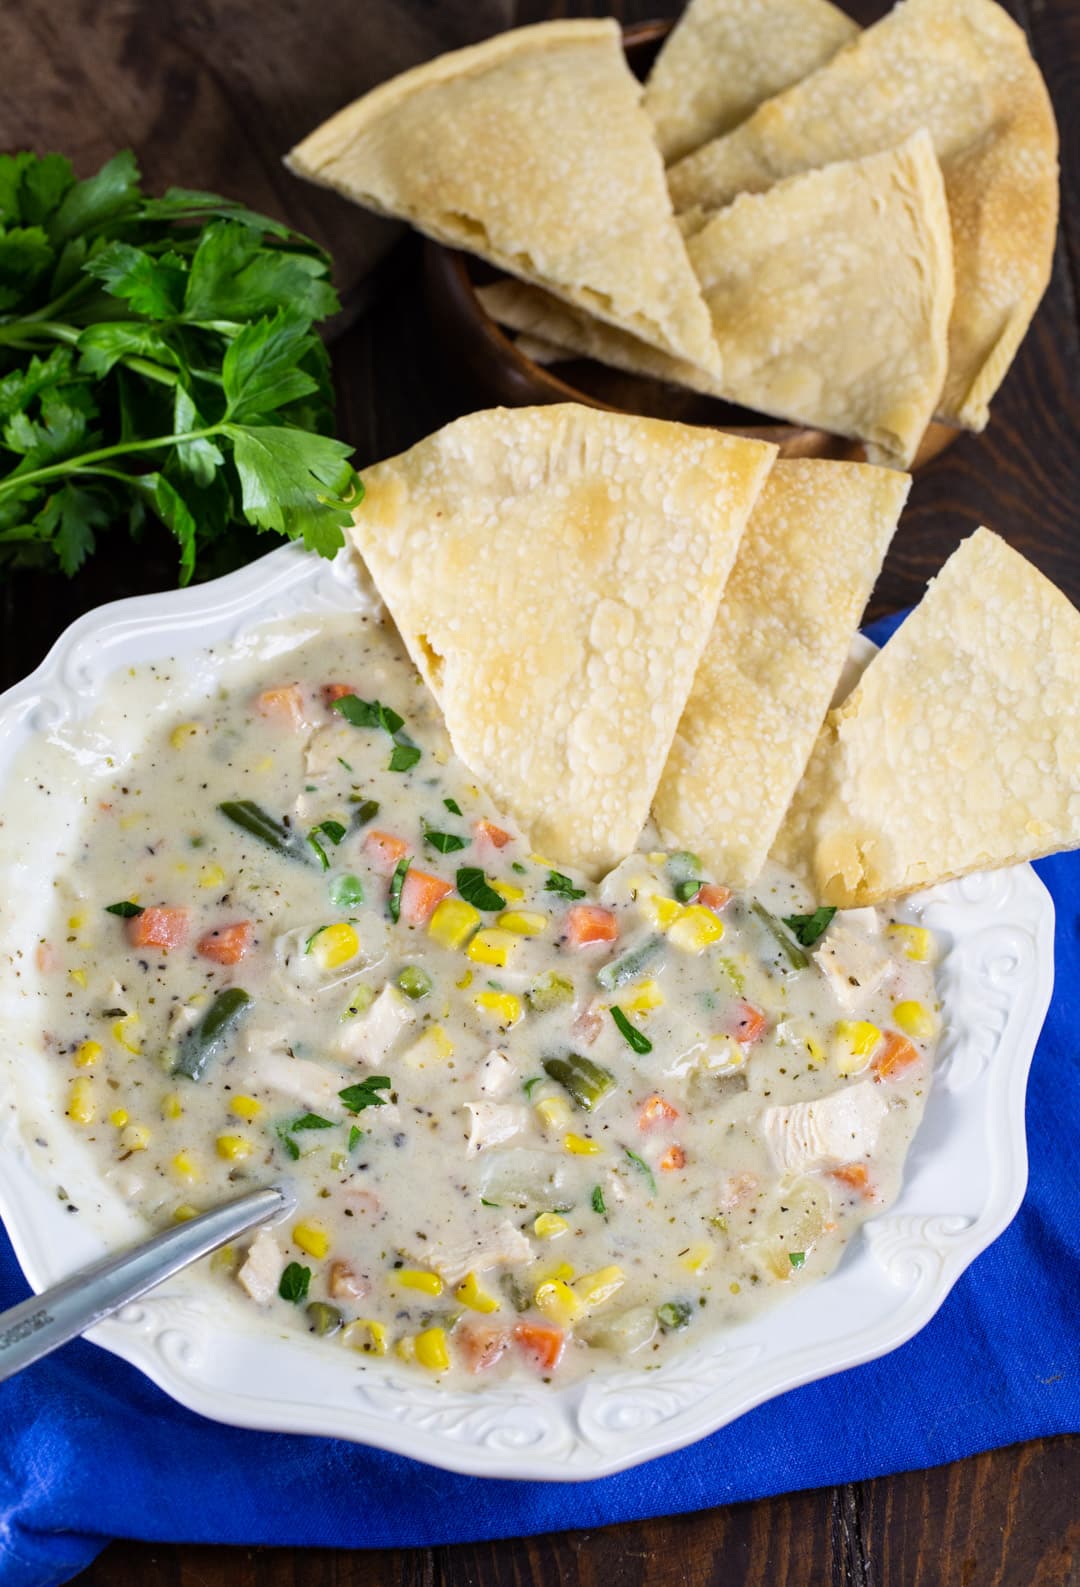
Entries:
{"x":532,"y":1124}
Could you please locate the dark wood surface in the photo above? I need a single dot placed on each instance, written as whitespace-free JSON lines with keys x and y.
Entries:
{"x":210,"y":93}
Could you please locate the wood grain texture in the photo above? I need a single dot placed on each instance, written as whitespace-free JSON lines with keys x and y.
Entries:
{"x":210,"y":93}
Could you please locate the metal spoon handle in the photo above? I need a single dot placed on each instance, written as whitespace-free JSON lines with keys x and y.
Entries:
{"x":42,"y":1323}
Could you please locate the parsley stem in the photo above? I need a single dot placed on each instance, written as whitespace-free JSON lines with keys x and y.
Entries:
{"x":77,"y":465}
{"x":70,"y":335}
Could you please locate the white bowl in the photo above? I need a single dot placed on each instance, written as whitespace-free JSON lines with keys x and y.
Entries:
{"x":963,"y":1181}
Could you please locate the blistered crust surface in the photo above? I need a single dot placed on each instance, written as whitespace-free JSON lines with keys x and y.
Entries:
{"x":959,"y":750}
{"x":804,"y":571}
{"x":724,"y":57}
{"x":531,"y":150}
{"x":555,"y":574}
{"x":962,"y":69}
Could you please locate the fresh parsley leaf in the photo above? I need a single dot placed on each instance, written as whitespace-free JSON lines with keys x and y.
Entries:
{"x":397,"y":882}
{"x":295,"y":1282}
{"x":558,"y":883}
{"x":234,"y":278}
{"x":473,"y":886}
{"x":99,"y":199}
{"x":299,"y":484}
{"x":597,"y":1200}
{"x":808,"y":928}
{"x":453,"y":806}
{"x":25,"y":255}
{"x":175,"y":513}
{"x":261,"y":370}
{"x":528,"y":1086}
{"x":634,"y":1037}
{"x":152,"y":286}
{"x":368,"y":713}
{"x":310,"y":1121}
{"x":642,"y":1167}
{"x":365,"y":1094}
{"x":516,"y":865}
{"x":318,"y":850}
{"x":356,"y":1135}
{"x":69,"y":519}
{"x":797,"y":1259}
{"x":291,"y":1148}
{"x":445,"y":842}
{"x":403,"y":757}
{"x":125,"y":909}
{"x":331,"y":829}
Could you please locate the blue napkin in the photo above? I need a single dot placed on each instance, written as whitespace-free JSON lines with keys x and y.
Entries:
{"x":90,"y":1449}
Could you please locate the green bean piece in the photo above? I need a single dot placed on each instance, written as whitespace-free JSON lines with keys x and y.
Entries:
{"x":210,"y":1035}
{"x":585,"y":1081}
{"x":792,"y":952}
{"x":365,"y":811}
{"x":323,"y":1319}
{"x":253,"y":819}
{"x":673,"y":1315}
{"x":549,"y":991}
{"x":619,"y":971}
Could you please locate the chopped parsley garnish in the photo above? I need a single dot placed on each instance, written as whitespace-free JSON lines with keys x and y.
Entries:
{"x":368,"y":713}
{"x":403,"y":757}
{"x":295,"y":1282}
{"x":642,"y":1167}
{"x":685,"y":891}
{"x":311,"y":1121}
{"x":529,"y":1086}
{"x":318,"y":850}
{"x":516,"y":865}
{"x":558,"y":883}
{"x":282,"y":1133}
{"x":484,"y":1203}
{"x":125,"y":909}
{"x":397,"y":882}
{"x":636,"y":1038}
{"x":808,"y":928}
{"x":346,"y":891}
{"x":331,"y":829}
{"x":597,"y":1200}
{"x":797,"y":1258}
{"x":356,"y":1135}
{"x":473,"y":886}
{"x":453,"y":806}
{"x":366,"y":810}
{"x":343,"y":762}
{"x":445,"y":842}
{"x":365,"y":1094}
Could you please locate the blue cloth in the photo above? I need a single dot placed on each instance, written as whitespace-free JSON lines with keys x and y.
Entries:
{"x":90,"y":1449}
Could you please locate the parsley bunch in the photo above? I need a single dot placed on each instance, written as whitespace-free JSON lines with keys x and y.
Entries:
{"x":157,"y":357}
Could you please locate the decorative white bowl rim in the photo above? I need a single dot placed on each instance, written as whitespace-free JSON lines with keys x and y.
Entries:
{"x":963,"y":1182}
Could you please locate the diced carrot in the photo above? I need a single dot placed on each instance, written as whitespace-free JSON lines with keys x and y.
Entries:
{"x":655,"y":1112}
{"x":45,"y":957}
{"x":894,"y":1054}
{"x":419,"y":896}
{"x":226,"y":944}
{"x":336,"y":691}
{"x":587,"y":923}
{"x":854,"y":1175}
{"x":543,"y":1345}
{"x":746,"y":1023}
{"x":480,"y":1345}
{"x":284,"y":705}
{"x":488,"y":832}
{"x":160,"y":926}
{"x":713,"y":896}
{"x":674,"y":1158}
{"x":384,"y":850}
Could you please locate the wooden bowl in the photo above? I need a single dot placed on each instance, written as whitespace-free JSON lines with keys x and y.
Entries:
{"x":497,"y":372}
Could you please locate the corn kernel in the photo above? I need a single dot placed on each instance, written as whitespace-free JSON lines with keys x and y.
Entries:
{"x":233,"y":1148}
{"x":417,"y":1278}
{"x":558,"y":1302}
{"x":523,"y":922}
{"x":538,"y":859}
{"x":465,"y":982}
{"x":211,"y":876}
{"x":642,"y":998}
{"x":367,"y":1335}
{"x":509,"y":891}
{"x":581,"y":1145}
{"x":78,"y":976}
{"x":596,"y":1288}
{"x":312,"y":1238}
{"x":88,"y":1054}
{"x":470,"y":1294}
{"x":548,"y":1226}
{"x":245,"y":1107}
{"x":660,"y":911}
{"x":914,"y":1019}
{"x":184,"y":1166}
{"x":120,"y":1034}
{"x":81,"y":1108}
{"x":917,"y":941}
{"x":697,"y":1258}
{"x":76,"y":922}
{"x":434,"y":1046}
{"x":452,"y":921}
{"x":136,"y":1138}
{"x":431,"y":1351}
{"x":335,"y":945}
{"x":555,"y":1112}
{"x":171,"y":1106}
{"x":503,"y":1007}
{"x":183,"y":733}
{"x":184,"y":1213}
{"x":118,"y":1117}
{"x":695,"y":929}
{"x":493,"y":946}
{"x":854,"y":1046}
{"x":561,"y":1271}
{"x":224,"y":1260}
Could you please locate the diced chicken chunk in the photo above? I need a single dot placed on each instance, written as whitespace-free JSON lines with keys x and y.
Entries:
{"x":369,"y":1037}
{"x":851,"y":959}
{"x":837,"y":1129}
{"x":263,"y":1266}
{"x":504,"y":1246}
{"x":496,"y":1074}
{"x":491,"y":1123}
{"x":300,"y":1079}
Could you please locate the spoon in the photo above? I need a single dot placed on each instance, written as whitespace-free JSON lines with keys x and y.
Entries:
{"x":39,"y":1325}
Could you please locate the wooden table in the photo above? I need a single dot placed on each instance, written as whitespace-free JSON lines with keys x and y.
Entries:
{"x":210,"y":93}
